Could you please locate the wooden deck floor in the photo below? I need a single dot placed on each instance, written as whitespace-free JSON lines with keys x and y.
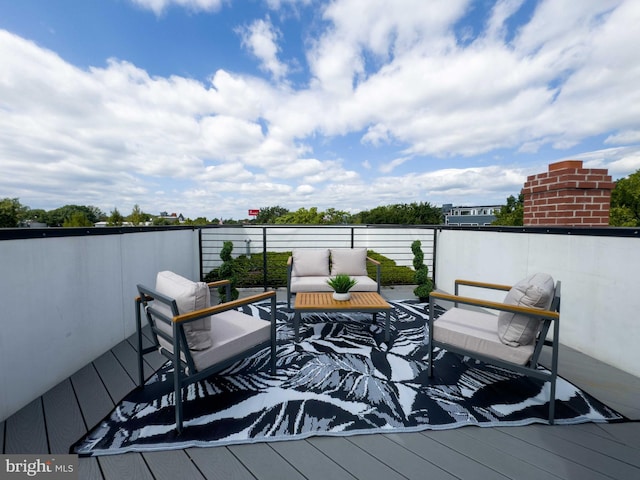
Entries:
{"x":54,"y":421}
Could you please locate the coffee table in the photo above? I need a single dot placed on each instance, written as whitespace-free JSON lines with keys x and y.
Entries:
{"x":323,"y":302}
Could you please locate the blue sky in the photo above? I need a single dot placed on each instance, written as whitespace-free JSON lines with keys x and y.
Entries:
{"x":213,"y":107}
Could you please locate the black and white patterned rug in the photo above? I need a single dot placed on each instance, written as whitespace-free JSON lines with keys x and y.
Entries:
{"x":341,"y":379}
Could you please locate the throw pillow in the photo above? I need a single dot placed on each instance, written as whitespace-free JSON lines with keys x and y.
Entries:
{"x":349,"y":261}
{"x":535,"y":291}
{"x":189,"y":296}
{"x":311,"y":262}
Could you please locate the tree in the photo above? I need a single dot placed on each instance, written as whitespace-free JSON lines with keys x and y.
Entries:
{"x":11,"y":212}
{"x":78,"y":219}
{"x":414,"y":213}
{"x":115,"y":219}
{"x":336,"y":217}
{"x":137,"y":216}
{"x":625,"y":202}
{"x":57,"y":217}
{"x":511,"y":214}
{"x":197,"y":221}
{"x":36,"y":215}
{"x":302,"y":216}
{"x":269,"y":215}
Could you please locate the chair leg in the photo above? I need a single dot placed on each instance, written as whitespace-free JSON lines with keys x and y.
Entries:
{"x":554,"y":371}
{"x":273,"y":335}
{"x":177,"y":389}
{"x":139,"y":342}
{"x":430,"y":339}
{"x":552,"y":401}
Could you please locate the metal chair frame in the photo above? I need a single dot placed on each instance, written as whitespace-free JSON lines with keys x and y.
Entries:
{"x":185,"y":371}
{"x":531,"y":369}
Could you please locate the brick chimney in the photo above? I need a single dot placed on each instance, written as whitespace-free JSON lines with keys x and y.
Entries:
{"x":568,"y":195}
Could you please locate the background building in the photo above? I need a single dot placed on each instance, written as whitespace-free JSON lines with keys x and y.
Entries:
{"x":469,"y":216}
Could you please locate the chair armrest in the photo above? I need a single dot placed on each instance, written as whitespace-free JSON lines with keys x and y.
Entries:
{"x":534,"y":312}
{"x":205,"y":312}
{"x":219,"y":283}
{"x":375,"y":262}
{"x":473,"y":283}
{"x":290,"y":261}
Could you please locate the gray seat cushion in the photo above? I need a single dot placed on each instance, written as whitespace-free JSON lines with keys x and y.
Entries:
{"x":476,"y":331}
{"x":319,"y":284}
{"x":232,"y":332}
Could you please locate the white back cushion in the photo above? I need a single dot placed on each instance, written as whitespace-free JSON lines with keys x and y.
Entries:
{"x":349,"y":261}
{"x":189,"y":296}
{"x":310,"y":262}
{"x":535,"y":291}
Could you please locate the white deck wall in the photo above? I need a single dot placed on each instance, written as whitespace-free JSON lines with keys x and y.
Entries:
{"x":65,"y":301}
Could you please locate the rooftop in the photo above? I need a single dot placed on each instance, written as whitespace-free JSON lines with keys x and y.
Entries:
{"x":596,"y":291}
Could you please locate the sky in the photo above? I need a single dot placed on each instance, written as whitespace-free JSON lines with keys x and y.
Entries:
{"x":210,"y":108}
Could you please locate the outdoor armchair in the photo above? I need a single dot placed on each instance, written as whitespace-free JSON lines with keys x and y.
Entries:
{"x":198,"y":338}
{"x":513,"y":339}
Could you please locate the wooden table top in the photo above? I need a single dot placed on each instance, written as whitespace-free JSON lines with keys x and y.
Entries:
{"x":325,"y":301}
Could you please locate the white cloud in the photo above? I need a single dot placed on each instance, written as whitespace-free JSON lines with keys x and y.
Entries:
{"x":261,"y":39}
{"x":305,"y":189}
{"x":502,"y":10}
{"x":619,"y":161}
{"x":626,"y":137}
{"x":390,"y":166}
{"x":159,"y":6}
{"x":277,"y":4}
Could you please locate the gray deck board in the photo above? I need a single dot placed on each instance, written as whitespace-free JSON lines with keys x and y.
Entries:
{"x":538,"y":458}
{"x":63,"y":418}
{"x":172,"y":465}
{"x":264,"y":462}
{"x":486,"y":454}
{"x":310,"y":462}
{"x":219,"y":464}
{"x":399,"y":458}
{"x":626,"y":433}
{"x":26,"y":431}
{"x":543,"y":437}
{"x":93,"y":397}
{"x":360,"y":463}
{"x":610,"y":385}
{"x":449,"y":460}
{"x":114,"y":377}
{"x":119,"y":467}
{"x":89,"y":469}
{"x":126,"y":354}
{"x":589,"y":439}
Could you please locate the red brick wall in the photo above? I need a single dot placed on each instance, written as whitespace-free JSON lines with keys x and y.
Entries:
{"x":568,"y":195}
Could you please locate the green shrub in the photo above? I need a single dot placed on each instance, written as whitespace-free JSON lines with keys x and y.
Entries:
{"x":421,"y":276}
{"x":228,"y":271}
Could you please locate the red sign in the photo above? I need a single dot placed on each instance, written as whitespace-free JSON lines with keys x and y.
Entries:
{"x":253,"y":213}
